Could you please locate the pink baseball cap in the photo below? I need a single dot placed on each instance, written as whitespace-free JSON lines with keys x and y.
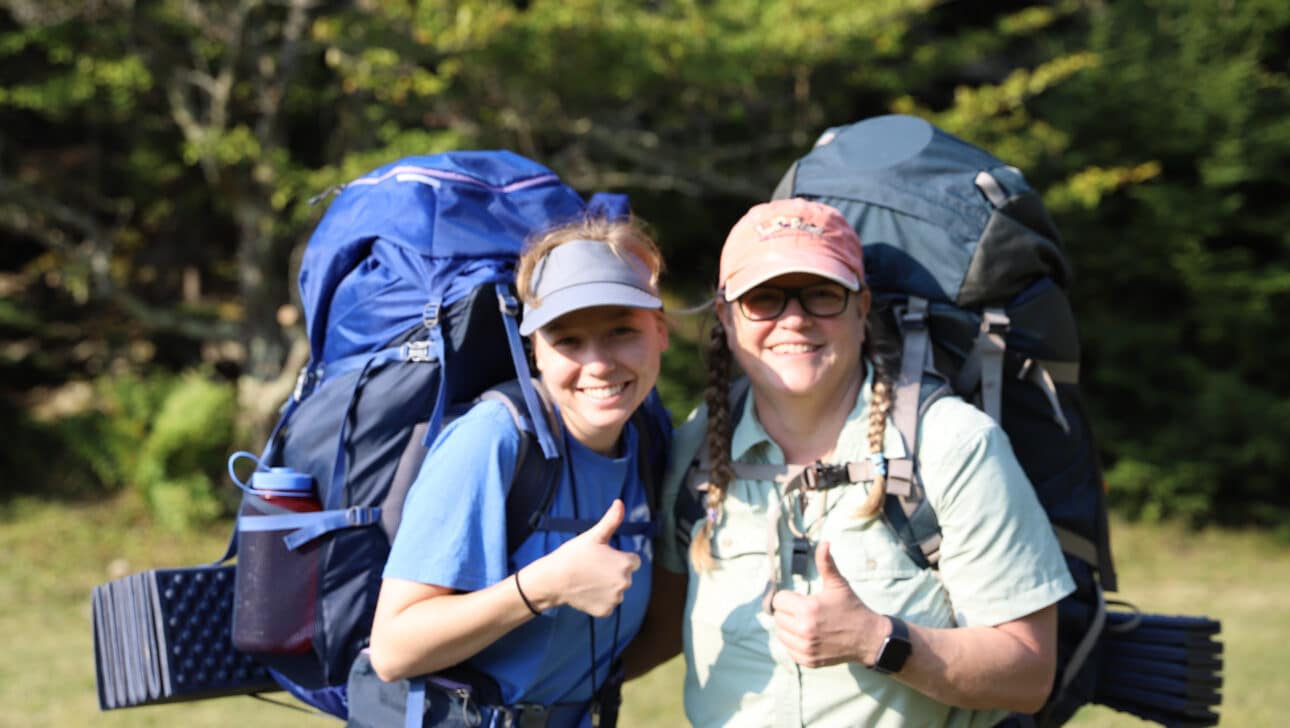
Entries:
{"x":790,"y":236}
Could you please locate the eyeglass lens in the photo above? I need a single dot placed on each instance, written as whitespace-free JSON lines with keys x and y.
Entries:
{"x":823,"y":300}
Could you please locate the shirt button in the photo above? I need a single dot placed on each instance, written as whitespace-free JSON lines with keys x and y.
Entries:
{"x":727,"y":543}
{"x":871,"y":564}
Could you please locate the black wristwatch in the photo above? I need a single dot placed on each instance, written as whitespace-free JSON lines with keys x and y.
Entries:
{"x":895,"y":649}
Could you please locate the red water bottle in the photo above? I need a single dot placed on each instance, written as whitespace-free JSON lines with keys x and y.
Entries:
{"x":276,"y":586}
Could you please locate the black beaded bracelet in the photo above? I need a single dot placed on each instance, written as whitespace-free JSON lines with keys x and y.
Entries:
{"x":527,"y":603}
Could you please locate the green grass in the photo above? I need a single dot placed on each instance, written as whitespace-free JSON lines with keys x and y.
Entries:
{"x":54,"y":553}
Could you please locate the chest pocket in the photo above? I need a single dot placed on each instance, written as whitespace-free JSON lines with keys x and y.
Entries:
{"x":729,"y":595}
{"x":874,"y":562}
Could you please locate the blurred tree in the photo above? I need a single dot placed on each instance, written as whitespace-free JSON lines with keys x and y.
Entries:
{"x":1170,"y":194}
{"x":157,"y":162}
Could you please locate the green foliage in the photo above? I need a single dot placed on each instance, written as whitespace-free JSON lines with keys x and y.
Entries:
{"x":1166,"y":196}
{"x":149,"y":147}
{"x":165,"y":437}
{"x":183,"y":450}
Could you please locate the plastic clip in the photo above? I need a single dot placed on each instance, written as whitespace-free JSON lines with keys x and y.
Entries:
{"x":508,"y":303}
{"x":821,"y":475}
{"x":430,"y":316}
{"x":418,"y":351}
{"x":879,"y":464}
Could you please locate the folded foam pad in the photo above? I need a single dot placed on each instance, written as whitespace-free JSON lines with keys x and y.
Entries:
{"x":1203,"y":656}
{"x":1196,"y":692}
{"x":1162,"y":702}
{"x":1178,"y":622}
{"x":1162,"y":717}
{"x":1172,"y":670}
{"x":164,"y":636}
{"x":1162,"y":668}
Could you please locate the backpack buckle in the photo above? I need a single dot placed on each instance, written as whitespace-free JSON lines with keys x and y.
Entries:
{"x":508,"y":303}
{"x":430,"y":315}
{"x":305,"y":381}
{"x":821,"y":475}
{"x":995,"y":322}
{"x":416,"y":351}
{"x":912,"y":318}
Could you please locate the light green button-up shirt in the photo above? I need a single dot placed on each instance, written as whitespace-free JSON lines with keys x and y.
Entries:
{"x":999,"y":561}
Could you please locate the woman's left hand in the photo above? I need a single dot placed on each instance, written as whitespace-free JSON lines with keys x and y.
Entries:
{"x":830,"y":627}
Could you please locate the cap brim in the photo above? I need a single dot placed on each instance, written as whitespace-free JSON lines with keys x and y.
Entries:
{"x":773,"y":266}
{"x":588,"y":295}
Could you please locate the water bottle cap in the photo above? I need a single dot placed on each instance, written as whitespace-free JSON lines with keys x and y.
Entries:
{"x":282,"y":479}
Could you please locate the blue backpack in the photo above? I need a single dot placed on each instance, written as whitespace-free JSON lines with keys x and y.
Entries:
{"x":407,"y":287}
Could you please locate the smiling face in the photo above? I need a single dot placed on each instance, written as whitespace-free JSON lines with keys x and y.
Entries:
{"x":599,"y":364}
{"x":797,"y":354}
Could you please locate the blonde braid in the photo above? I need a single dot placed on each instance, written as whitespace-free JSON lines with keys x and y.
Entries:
{"x":879,"y":407}
{"x":717,"y":440}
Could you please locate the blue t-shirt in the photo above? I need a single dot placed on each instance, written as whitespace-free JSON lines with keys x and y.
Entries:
{"x":453,"y":534}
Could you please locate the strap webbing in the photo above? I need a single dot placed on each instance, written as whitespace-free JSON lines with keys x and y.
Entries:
{"x":324,"y":522}
{"x":415,"y":713}
{"x":434,"y":337}
{"x":336,"y":487}
{"x":991,"y":188}
{"x":1085,"y":647}
{"x":913,"y":359}
{"x":899,"y":474}
{"x":1078,"y":546}
{"x":1065,"y":372}
{"x":988,"y":350}
{"x":578,"y":525}
{"x":509,"y":307}
{"x":902,"y":481}
{"x":1038,"y":375}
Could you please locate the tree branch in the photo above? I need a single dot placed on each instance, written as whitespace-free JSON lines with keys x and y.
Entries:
{"x":25,"y":218}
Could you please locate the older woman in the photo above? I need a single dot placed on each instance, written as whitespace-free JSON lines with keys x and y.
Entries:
{"x":801,"y":605}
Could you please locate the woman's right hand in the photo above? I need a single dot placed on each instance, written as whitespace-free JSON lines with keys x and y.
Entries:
{"x":586,"y":573}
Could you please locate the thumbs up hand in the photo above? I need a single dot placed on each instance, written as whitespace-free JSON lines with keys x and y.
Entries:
{"x":829,"y":627}
{"x":586,"y":573}
{"x":603,"y":531}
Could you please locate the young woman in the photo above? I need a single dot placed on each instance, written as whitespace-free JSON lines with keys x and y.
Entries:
{"x":802,"y":607}
{"x":532,"y":633}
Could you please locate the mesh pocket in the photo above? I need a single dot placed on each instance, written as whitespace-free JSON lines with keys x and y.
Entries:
{"x":276,"y":588}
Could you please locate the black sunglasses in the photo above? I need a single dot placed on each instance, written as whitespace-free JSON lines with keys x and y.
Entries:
{"x":822,"y":300}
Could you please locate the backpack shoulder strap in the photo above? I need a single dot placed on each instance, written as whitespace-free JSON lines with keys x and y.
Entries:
{"x":909,"y":513}
{"x":536,"y":479}
{"x":653,"y":443}
{"x":536,"y":476}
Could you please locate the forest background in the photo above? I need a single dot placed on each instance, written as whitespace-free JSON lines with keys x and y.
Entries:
{"x":158,"y":159}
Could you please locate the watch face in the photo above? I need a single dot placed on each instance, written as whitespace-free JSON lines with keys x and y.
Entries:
{"x":895,"y":651}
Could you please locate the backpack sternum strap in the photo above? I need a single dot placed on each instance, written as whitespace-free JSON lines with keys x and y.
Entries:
{"x":900,"y":472}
